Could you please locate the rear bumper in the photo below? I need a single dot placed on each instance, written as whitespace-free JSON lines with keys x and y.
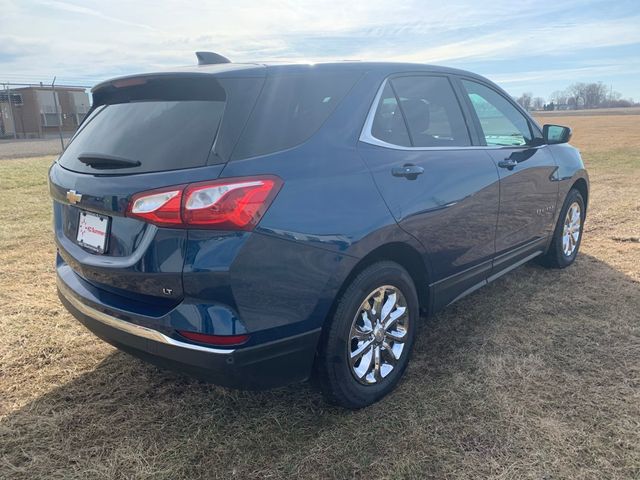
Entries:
{"x":267,"y":365}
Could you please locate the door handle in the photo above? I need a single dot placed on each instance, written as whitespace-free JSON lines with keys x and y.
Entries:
{"x":409,"y":171}
{"x":508,"y":163}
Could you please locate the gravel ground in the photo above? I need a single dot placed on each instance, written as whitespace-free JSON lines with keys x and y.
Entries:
{"x":30,"y":148}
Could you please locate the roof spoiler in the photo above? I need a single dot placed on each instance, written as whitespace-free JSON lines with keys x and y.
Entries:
{"x":211,"y":58}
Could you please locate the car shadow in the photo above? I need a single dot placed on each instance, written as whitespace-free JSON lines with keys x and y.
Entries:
{"x":484,"y":372}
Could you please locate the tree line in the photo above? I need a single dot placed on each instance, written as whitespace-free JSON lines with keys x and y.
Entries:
{"x":577,"y":96}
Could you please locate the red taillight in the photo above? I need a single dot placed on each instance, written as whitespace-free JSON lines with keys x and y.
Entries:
{"x":161,"y":207}
{"x":229,"y":204}
{"x":219,"y":340}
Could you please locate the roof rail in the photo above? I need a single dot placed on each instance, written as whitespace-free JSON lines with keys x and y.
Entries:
{"x":211,"y":58}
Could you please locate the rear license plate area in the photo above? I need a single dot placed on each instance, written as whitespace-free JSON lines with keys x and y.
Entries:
{"x":93,"y":231}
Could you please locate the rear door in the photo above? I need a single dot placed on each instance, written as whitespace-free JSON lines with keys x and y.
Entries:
{"x":528,"y":183}
{"x":142,"y":134}
{"x":440,"y":187}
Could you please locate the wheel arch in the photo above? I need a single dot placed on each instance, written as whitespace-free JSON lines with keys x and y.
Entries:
{"x":401,"y":253}
{"x":581,"y":185}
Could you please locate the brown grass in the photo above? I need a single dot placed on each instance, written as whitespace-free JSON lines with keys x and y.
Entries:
{"x":591,"y":112}
{"x":606,"y":133}
{"x":536,"y":376}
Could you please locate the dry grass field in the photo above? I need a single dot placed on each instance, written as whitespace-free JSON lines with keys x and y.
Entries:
{"x":536,"y":376}
{"x":588,"y":112}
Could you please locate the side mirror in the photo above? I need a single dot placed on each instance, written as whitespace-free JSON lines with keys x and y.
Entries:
{"x":556,"y":134}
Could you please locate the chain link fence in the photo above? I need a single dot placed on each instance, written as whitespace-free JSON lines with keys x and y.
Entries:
{"x":37,"y":117}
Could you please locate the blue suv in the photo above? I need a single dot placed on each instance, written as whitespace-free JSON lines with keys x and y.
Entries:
{"x":256,"y":225}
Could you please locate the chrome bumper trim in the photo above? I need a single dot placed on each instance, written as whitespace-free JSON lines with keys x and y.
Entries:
{"x":129,"y":327}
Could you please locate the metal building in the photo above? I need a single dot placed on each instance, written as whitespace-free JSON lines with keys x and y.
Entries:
{"x":30,"y":112}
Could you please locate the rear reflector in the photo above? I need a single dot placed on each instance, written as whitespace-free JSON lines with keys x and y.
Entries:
{"x":219,"y":340}
{"x":228,"y":204}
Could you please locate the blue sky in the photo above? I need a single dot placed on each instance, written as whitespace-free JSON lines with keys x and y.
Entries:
{"x":530,"y":46}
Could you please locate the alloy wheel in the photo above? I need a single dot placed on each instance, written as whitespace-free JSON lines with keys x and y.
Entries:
{"x":378,"y":335}
{"x":571,"y":229}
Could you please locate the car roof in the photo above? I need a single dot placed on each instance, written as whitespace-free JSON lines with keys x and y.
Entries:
{"x":282,"y":68}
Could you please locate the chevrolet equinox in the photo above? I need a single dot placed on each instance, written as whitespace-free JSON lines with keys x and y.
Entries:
{"x":258,"y":224}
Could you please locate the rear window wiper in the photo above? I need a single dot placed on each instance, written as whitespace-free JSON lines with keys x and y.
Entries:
{"x":99,"y":160}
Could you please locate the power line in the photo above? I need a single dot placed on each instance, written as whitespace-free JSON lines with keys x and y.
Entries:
{"x":47,"y":78}
{"x":42,"y":84}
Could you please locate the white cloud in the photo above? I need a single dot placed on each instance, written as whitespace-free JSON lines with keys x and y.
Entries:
{"x":14,"y":45}
{"x":90,"y":40}
{"x":81,"y":10}
{"x":518,"y":43}
{"x":590,"y":72}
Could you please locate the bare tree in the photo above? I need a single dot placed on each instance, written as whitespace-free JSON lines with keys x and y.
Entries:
{"x":559,"y":97}
{"x":615,"y":100}
{"x":576,"y":95}
{"x":538,"y":103}
{"x":587,"y":95}
{"x":525,"y":100}
{"x":594,"y":94}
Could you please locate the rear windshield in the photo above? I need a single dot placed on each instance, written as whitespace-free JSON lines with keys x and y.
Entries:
{"x":290,"y":109}
{"x":152,"y":135}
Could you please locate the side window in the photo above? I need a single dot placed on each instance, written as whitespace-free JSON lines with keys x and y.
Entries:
{"x":290,"y":109}
{"x":502,"y":124}
{"x":432,"y":112}
{"x":388,"y":124}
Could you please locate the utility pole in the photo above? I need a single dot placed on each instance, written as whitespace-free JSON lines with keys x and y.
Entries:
{"x":55,"y":102}
{"x":13,"y":120}
{"x":610,"y":94}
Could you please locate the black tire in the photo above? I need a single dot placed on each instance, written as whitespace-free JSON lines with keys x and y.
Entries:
{"x":334,"y":374}
{"x":556,"y":256}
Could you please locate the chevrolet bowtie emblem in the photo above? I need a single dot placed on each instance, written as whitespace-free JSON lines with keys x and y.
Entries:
{"x":73,"y":196}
